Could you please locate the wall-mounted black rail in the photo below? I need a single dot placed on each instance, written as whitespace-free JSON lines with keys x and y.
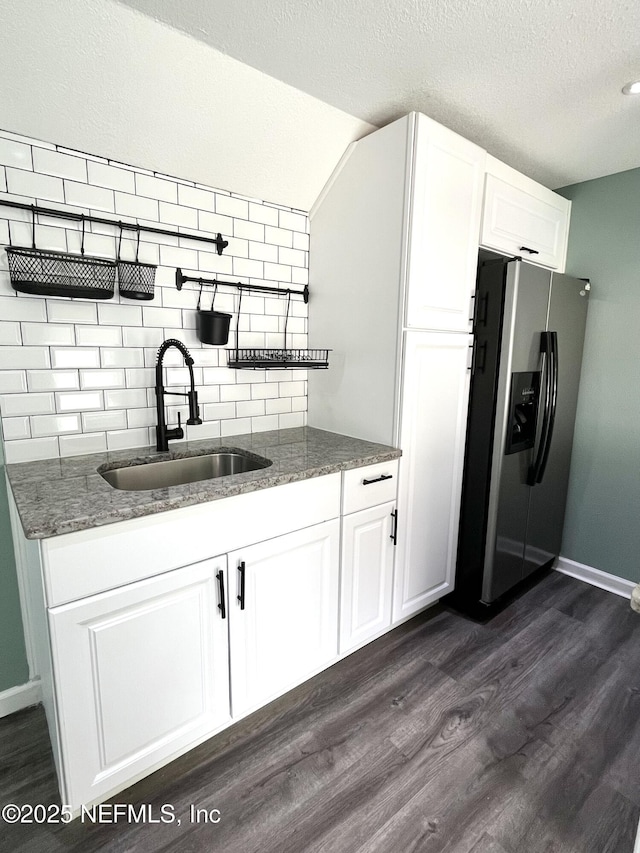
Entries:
{"x":181,"y":278}
{"x":36,"y":210}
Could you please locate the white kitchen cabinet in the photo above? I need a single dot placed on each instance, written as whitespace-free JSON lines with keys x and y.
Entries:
{"x":366,"y":587}
{"x":521,"y":217}
{"x":141,"y":672}
{"x":283,"y":613}
{"x":434,"y":413}
{"x":444,"y":216}
{"x":394,"y":246}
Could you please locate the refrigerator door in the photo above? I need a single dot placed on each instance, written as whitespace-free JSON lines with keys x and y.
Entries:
{"x":525,"y":318}
{"x":567,"y":318}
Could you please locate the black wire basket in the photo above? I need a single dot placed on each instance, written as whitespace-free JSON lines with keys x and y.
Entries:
{"x":135,"y":279}
{"x":48,"y":273}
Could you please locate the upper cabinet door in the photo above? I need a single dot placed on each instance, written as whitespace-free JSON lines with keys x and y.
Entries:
{"x":521,"y":217}
{"x":444,"y":228}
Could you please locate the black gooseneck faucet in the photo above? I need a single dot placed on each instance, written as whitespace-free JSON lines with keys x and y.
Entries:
{"x":163,"y":434}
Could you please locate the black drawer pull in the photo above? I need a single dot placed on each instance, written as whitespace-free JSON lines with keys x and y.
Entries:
{"x":378,"y":479}
{"x":527,"y":249}
{"x":222,"y":606}
{"x":240,"y":597}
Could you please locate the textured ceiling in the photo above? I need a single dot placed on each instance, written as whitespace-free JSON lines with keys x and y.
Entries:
{"x":535,"y":82}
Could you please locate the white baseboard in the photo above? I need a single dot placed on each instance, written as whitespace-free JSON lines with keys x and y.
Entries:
{"x":17,"y":698}
{"x":603,"y":580}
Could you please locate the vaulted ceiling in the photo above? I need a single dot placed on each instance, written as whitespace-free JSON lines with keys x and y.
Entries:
{"x":535,"y":82}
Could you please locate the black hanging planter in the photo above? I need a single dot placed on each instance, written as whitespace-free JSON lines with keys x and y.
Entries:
{"x":212,"y":327}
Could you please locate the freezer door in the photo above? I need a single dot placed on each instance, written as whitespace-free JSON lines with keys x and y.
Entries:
{"x":525,"y":317}
{"x":567,"y":317}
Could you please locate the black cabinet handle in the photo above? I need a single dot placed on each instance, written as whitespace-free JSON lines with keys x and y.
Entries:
{"x":527,"y":249}
{"x":241,"y":569}
{"x":222,"y":606}
{"x":394,"y":527}
{"x":378,"y":479}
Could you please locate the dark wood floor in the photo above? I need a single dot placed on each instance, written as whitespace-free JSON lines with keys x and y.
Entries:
{"x":518,"y":736}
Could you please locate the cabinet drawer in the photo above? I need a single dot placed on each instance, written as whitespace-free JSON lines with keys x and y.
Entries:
{"x":370,"y":486}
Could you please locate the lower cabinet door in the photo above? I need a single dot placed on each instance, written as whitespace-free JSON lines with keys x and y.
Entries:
{"x":283,"y":613}
{"x":435,"y":400}
{"x":367,"y":575}
{"x":141,"y":673}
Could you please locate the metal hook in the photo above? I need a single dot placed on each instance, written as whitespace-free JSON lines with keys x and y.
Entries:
{"x":33,"y":226}
{"x":119,"y":241}
{"x":82,"y":242}
{"x":138,"y":241}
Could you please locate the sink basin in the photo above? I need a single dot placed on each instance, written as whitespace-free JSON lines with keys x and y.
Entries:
{"x":145,"y":476}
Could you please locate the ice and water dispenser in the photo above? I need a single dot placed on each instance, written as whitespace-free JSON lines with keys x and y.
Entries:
{"x":523,"y":410}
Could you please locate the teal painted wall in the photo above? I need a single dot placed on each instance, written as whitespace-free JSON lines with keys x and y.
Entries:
{"x":602,"y":526}
{"x":14,"y":669}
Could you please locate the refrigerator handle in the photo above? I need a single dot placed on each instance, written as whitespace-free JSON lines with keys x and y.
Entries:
{"x":553,"y":368}
{"x":545,"y":351}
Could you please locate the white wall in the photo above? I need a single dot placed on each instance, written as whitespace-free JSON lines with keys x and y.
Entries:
{"x":98,"y":77}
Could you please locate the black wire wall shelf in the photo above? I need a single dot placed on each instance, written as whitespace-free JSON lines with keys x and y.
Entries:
{"x":267,"y":358}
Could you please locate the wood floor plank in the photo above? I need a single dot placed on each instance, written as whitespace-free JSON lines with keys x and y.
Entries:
{"x":520,"y":735}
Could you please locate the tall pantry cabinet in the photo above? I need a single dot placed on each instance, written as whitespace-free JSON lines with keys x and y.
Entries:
{"x":394,"y":244}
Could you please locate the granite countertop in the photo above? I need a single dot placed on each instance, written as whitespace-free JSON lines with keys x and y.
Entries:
{"x":57,"y":496}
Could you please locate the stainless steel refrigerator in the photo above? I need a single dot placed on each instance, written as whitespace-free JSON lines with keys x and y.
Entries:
{"x":529,"y":328}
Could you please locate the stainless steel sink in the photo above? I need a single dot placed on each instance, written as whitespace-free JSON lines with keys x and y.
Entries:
{"x":145,"y":476}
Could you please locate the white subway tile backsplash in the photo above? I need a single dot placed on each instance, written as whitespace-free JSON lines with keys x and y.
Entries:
{"x":16,"y":428}
{"x":126,"y":438}
{"x":293,"y":257}
{"x":86,"y":371}
{"x":171,"y":317}
{"x":43,"y":425}
{"x":121,"y":357}
{"x":31,"y":449}
{"x":235,"y":207}
{"x":103,"y":379}
{"x":301,"y":241}
{"x":170,"y":256}
{"x":79,"y":401}
{"x":175,"y":214}
{"x":59,"y":165}
{"x":16,"y":154}
{"x":13,"y":405}
{"x":237,"y":426}
{"x":84,"y":195}
{"x":71,"y":311}
{"x":278,"y":236}
{"x":102,"y":421}
{"x":136,"y":206}
{"x":264,"y":214}
{"x":76,"y":357}
{"x":142,"y":337}
{"x":53,"y":380}
{"x":10,"y":333}
{"x":119,"y":315}
{"x":110,"y":177}
{"x":13,"y":381}
{"x":292,"y":221}
{"x":99,"y":336}
{"x":23,"y":358}
{"x":76,"y":445}
{"x":53,"y":239}
{"x":192,"y":197}
{"x":126,"y":399}
{"x":277,"y":272}
{"x":156,"y":188}
{"x":263,"y":252}
{"x":294,"y":419}
{"x":262,"y":424}
{"x":244,"y":268}
{"x":48,"y":334}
